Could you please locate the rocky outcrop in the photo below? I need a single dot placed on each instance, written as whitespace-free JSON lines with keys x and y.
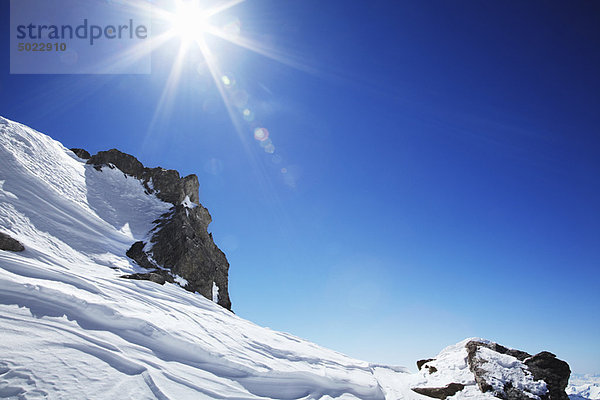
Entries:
{"x":480,"y":366}
{"x":81,"y":153}
{"x":183,"y":244}
{"x":136,"y":253}
{"x":7,"y":243}
{"x":441,"y":392}
{"x":543,"y":367}
{"x":180,"y":242}
{"x":165,"y":183}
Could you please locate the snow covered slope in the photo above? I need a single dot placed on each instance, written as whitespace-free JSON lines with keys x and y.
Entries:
{"x":71,"y":328}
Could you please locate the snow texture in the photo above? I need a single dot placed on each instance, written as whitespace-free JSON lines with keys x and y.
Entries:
{"x":584,"y":387}
{"x":181,"y":280}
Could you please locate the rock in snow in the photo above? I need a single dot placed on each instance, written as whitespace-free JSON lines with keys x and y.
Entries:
{"x":81,"y":153}
{"x":479,"y":368}
{"x":72,"y":328}
{"x":180,"y":241}
{"x":9,"y":244}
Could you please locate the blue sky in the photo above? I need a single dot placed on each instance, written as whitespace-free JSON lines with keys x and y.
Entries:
{"x":435,"y":174}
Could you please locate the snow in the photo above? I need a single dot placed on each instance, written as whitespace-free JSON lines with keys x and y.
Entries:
{"x":582,"y":387}
{"x":504,"y":368}
{"x":188,"y":203}
{"x":71,"y":328}
{"x":180,"y":279}
{"x":215,"y":293}
{"x":452,"y":367}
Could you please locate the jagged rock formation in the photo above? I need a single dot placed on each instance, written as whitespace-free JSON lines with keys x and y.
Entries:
{"x":493,"y":370}
{"x":165,"y":183}
{"x":543,"y":366}
{"x":554,"y":372}
{"x":180,"y":241}
{"x":9,"y":244}
{"x":81,"y":153}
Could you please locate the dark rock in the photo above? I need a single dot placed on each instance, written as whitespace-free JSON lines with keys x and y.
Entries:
{"x":181,"y":242}
{"x":543,"y":366}
{"x":156,"y":276}
{"x":136,"y":253}
{"x":554,"y":372}
{"x":125,"y":162}
{"x":9,"y":244}
{"x":167,"y":183}
{"x":420,"y":363}
{"x":81,"y":153}
{"x":440,"y":393}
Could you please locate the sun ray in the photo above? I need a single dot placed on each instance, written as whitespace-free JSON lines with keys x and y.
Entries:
{"x":217,"y":75}
{"x":219,"y":9}
{"x":167,"y":96}
{"x":257,"y":47}
{"x":135,"y":53}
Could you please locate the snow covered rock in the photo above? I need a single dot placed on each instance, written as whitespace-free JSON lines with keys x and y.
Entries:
{"x":179,"y":241}
{"x":165,"y":183}
{"x":494,"y":371}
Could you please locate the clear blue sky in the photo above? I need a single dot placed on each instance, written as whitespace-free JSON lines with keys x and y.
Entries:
{"x":442,"y":167}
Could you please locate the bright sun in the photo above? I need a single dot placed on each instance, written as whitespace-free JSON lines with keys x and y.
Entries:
{"x":189,"y":20}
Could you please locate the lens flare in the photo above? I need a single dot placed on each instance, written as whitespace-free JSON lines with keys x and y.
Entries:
{"x":227,"y":81}
{"x":248,"y":114}
{"x":261,"y":134}
{"x":192,"y":21}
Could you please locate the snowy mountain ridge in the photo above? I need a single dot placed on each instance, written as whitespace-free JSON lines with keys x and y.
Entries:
{"x":71,"y":327}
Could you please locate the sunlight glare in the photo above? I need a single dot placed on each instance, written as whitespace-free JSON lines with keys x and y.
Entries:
{"x":190,"y":21}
